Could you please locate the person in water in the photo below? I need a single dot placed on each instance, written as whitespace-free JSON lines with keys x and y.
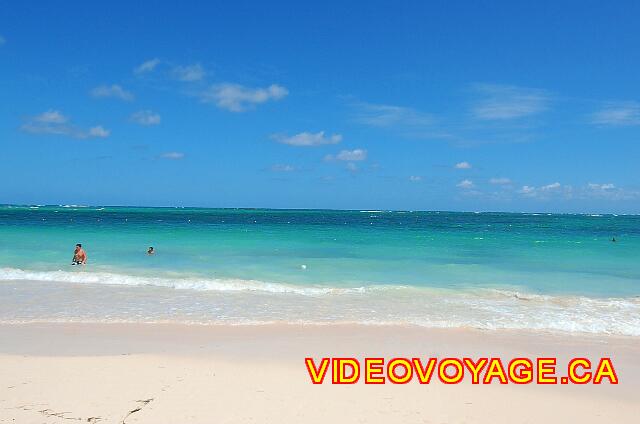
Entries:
{"x":79,"y":256}
{"x":151,"y":251}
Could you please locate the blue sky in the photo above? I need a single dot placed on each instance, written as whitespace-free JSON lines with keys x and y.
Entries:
{"x":518,"y":106}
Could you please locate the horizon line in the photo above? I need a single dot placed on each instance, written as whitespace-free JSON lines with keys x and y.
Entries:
{"x":68,"y":206}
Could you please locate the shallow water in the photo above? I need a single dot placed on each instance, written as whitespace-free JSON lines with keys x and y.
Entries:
{"x":486,"y":270}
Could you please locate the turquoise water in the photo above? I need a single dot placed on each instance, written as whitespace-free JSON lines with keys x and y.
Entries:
{"x":488,"y":270}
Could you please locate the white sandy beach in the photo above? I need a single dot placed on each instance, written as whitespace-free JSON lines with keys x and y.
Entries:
{"x":166,"y":373}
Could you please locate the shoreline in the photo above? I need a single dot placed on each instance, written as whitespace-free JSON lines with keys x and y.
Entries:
{"x":286,"y":341}
{"x":105,"y":298}
{"x":156,"y":330}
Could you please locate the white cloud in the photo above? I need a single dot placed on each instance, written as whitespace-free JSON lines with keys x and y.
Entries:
{"x":503,"y":102}
{"x":608,"y":191}
{"x":307,"y":139}
{"x":55,"y":122}
{"x":357,"y":154}
{"x":500,"y":181}
{"x":466,"y":184}
{"x":51,"y":117}
{"x":145,"y":117}
{"x":113,"y":90}
{"x":557,"y":192}
{"x":546,"y":191}
{"x":618,"y":114}
{"x":379,"y":115}
{"x":349,"y":155}
{"x":237,"y":98}
{"x":594,"y":186}
{"x":172,"y":155}
{"x":99,"y":131}
{"x":590,"y":191}
{"x":189,"y":73}
{"x":527,"y":190}
{"x":552,"y":186}
{"x":415,"y":178}
{"x":283,"y":168}
{"x":463,"y":165}
{"x":147,"y":66}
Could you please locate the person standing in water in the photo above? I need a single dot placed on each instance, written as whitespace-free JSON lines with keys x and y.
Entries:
{"x":79,"y":256}
{"x":151,"y":251}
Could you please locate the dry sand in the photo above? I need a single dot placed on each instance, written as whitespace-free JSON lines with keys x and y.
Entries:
{"x":167,"y":373}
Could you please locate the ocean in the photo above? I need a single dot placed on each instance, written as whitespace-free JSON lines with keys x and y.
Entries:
{"x":542,"y":272}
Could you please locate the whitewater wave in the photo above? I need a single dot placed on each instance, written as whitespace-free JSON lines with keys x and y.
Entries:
{"x":252,"y":302}
{"x":179,"y":283}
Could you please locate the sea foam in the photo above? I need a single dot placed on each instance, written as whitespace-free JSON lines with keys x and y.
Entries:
{"x":179,"y":283}
{"x":39,"y":296}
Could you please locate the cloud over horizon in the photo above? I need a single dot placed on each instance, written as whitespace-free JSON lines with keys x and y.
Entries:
{"x":544,"y":191}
